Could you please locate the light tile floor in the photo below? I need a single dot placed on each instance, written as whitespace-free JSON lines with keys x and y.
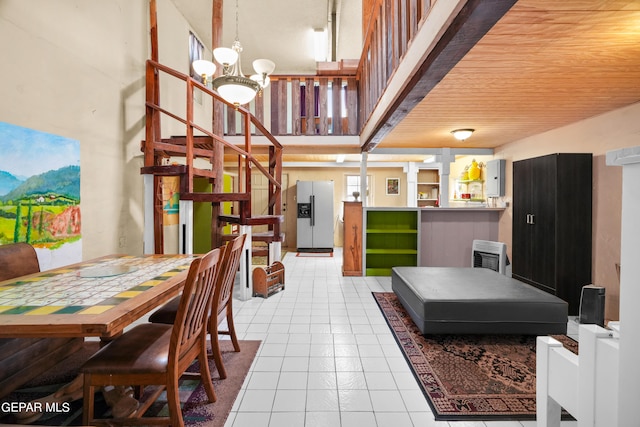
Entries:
{"x":328,"y":358}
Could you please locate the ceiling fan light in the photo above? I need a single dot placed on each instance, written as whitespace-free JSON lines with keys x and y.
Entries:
{"x":462,"y":134}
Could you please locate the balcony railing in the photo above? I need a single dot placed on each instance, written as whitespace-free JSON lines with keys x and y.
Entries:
{"x":304,"y":105}
{"x":340,"y":104}
{"x":391,"y":28}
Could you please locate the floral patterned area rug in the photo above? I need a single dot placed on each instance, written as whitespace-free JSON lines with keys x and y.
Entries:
{"x":469,"y":377}
{"x":196,"y":410}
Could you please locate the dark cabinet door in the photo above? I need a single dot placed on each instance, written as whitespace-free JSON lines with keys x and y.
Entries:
{"x":534,"y":203}
{"x":543,"y":221}
{"x":552,"y":224}
{"x":521,"y":250}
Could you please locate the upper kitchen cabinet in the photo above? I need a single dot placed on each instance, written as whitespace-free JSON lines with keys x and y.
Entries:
{"x":552,"y":224}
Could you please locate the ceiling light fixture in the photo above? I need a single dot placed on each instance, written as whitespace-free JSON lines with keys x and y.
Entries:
{"x":462,"y":134}
{"x":233,"y":86}
{"x":340,"y":158}
{"x":320,"y":44}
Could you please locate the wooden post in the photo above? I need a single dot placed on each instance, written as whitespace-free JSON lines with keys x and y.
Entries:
{"x":153,"y":131}
{"x":295,"y":106}
{"x":310,"y":107}
{"x":336,"y":116}
{"x":245,"y":206}
{"x":217,"y":160}
{"x":275,"y":112}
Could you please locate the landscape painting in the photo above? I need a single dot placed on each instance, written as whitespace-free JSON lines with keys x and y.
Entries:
{"x":40,"y":194}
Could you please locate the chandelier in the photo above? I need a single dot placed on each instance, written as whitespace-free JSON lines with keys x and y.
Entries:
{"x":233,"y":86}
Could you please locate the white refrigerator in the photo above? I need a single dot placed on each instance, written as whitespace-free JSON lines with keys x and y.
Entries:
{"x":315,"y":216}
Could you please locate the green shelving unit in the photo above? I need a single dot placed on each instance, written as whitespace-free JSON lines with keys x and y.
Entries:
{"x":391,"y":239}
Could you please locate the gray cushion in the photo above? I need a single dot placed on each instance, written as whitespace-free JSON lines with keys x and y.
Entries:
{"x":476,"y":300}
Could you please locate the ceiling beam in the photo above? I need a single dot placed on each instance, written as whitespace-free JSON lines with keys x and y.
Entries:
{"x":473,"y":21}
{"x":434,"y":151}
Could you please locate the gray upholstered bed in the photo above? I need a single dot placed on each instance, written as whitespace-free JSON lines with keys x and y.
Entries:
{"x":445,"y":300}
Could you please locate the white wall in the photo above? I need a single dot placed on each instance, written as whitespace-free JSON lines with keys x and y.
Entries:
{"x":77,"y":69}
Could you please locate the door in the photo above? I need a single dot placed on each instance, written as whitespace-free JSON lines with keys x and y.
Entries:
{"x":304,"y":191}
{"x":284,"y":225}
{"x":543,"y":225}
{"x":260,"y":200}
{"x":521,"y":250}
{"x":322,"y":214}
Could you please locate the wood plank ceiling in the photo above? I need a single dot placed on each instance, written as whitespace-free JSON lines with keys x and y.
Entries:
{"x":545,"y":64}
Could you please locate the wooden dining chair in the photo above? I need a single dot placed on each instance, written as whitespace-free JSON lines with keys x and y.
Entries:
{"x":17,"y":259}
{"x":221,"y":304}
{"x":158,"y":354}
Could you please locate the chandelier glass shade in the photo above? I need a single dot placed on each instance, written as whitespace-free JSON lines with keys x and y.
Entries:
{"x":205,"y":69}
{"x":238,"y":90}
{"x":225,"y":56}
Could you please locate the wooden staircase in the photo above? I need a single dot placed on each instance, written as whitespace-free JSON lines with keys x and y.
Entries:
{"x":176,"y":156}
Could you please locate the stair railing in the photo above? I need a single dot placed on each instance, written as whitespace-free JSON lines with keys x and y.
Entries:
{"x":154,"y":144}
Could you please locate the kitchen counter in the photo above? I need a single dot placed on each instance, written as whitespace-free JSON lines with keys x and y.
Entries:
{"x":464,"y":209}
{"x":447,"y":234}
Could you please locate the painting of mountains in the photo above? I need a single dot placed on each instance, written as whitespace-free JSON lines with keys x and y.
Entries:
{"x":39,"y":189}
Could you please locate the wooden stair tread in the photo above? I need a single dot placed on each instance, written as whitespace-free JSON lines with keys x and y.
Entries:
{"x":254,"y":220}
{"x":175,"y":170}
{"x":215,"y":197}
{"x":265,"y":236}
{"x":164,"y":170}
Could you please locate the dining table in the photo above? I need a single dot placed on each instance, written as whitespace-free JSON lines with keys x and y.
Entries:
{"x":45,"y":317}
{"x":95,"y":298}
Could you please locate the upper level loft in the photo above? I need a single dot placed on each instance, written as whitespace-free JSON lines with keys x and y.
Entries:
{"x":408,"y":46}
{"x":341,"y":96}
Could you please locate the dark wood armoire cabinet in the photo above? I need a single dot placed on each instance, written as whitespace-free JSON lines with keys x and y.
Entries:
{"x":552,"y":224}
{"x":352,"y":248}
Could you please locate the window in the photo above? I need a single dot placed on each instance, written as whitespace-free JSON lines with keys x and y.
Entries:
{"x":353,"y":185}
{"x":196,"y":49}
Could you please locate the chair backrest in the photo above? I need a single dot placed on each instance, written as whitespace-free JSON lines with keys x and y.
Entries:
{"x":230,"y":263}
{"x":193,"y":311}
{"x":17,"y":259}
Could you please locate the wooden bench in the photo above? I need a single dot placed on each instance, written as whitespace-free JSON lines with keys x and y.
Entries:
{"x":22,"y":359}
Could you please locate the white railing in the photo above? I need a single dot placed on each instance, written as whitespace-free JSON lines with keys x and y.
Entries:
{"x":585,"y":385}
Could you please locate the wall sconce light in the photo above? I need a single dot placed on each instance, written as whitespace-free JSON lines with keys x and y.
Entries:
{"x":462,"y":134}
